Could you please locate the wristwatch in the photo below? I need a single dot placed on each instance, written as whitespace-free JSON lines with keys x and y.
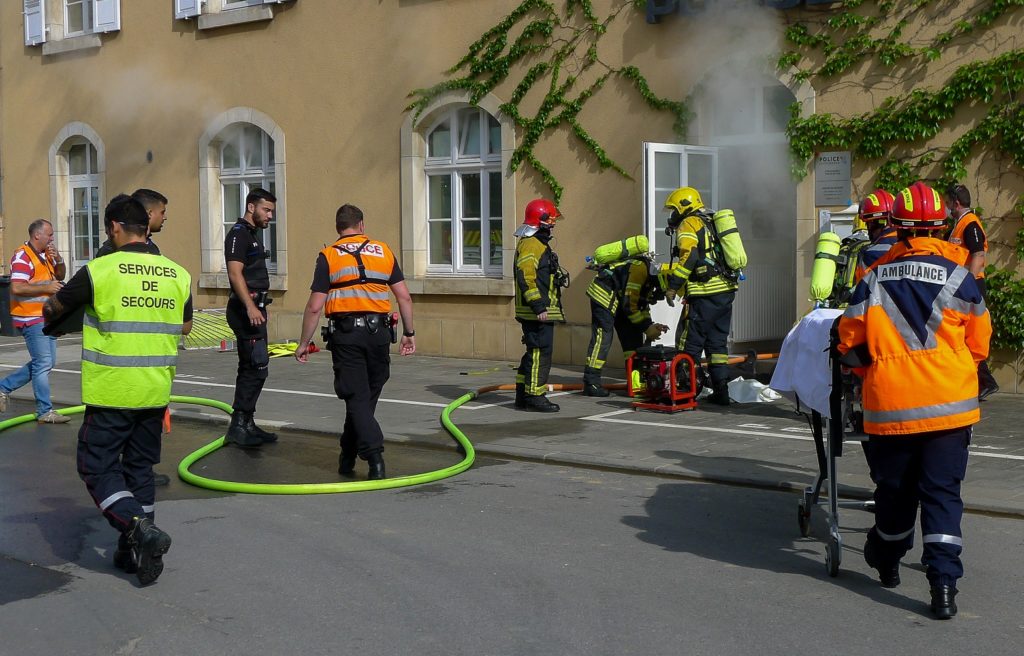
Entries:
{"x":410,"y":333}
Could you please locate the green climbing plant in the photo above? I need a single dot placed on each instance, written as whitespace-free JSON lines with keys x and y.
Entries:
{"x":899,"y":133}
{"x":555,"y":51}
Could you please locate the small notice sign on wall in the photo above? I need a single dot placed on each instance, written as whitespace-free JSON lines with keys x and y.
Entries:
{"x":832,"y":179}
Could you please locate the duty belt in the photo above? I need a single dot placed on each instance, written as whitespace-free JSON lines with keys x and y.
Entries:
{"x":346,"y":322}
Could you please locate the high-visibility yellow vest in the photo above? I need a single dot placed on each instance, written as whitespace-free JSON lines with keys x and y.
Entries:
{"x":130,"y":332}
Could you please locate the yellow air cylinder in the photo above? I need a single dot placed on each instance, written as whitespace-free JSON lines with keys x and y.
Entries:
{"x":620,"y":250}
{"x":729,"y":237}
{"x":823,"y":273}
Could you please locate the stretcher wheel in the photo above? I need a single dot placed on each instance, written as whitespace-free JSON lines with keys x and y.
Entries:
{"x":833,"y":555}
{"x":803,"y":519}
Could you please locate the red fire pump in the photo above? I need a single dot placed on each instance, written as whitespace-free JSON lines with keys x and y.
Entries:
{"x":662,"y":379}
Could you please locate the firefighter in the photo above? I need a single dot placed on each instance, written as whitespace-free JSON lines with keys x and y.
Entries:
{"x":619,"y":298}
{"x":915,"y":330}
{"x":539,"y":282}
{"x":350,"y":283}
{"x":710,"y":289}
{"x":968,"y":233}
{"x":875,"y":214}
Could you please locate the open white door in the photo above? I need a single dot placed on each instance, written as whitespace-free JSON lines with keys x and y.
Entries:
{"x":666,"y":168}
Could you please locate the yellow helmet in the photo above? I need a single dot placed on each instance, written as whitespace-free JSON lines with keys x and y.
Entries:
{"x":858,"y":224}
{"x":683,"y":202}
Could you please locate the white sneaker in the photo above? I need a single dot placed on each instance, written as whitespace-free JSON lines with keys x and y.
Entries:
{"x":4,"y":396}
{"x":52,"y":417}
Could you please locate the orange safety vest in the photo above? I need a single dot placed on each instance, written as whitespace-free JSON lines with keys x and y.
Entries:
{"x":359,"y":269}
{"x":956,"y":235}
{"x":26,"y":308}
{"x":925,"y":332}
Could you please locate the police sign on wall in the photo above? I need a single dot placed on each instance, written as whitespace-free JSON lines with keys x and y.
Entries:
{"x":832,"y":178}
{"x":658,"y":8}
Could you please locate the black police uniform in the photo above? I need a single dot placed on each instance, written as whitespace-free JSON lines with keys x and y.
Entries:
{"x":243,"y":244}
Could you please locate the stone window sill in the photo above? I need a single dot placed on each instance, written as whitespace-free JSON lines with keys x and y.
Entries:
{"x":72,"y":44}
{"x":459,"y":286}
{"x":235,"y":17}
{"x":220,"y":281}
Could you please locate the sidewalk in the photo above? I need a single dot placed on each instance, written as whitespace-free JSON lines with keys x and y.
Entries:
{"x":764,"y":445}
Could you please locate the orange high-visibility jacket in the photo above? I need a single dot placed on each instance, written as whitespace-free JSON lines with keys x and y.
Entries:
{"x":360,"y":269}
{"x":30,"y":307}
{"x":956,"y":236}
{"x":869,"y":255}
{"x":925,"y":327}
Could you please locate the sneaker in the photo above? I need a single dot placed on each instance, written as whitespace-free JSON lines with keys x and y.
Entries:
{"x":148,"y":546}
{"x":4,"y":397}
{"x":52,"y":417}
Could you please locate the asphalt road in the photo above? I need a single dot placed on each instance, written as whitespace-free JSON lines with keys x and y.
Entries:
{"x":508,"y":558}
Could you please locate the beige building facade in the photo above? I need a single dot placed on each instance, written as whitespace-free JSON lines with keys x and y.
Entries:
{"x":203,"y":101}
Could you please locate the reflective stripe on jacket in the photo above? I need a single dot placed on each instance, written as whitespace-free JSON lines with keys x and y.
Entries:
{"x":956,"y":236}
{"x":622,"y":287}
{"x":360,"y":269}
{"x":537,"y":291}
{"x":695,"y":249}
{"x":31,"y":307}
{"x":924,"y":324}
{"x":878,"y":248}
{"x":130,"y":333}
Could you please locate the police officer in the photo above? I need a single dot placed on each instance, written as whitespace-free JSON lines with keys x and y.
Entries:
{"x":968,"y":233}
{"x":915,"y":330}
{"x":710,"y":290}
{"x":247,"y":315}
{"x":351,"y":282}
{"x":620,"y":300}
{"x":137,"y":305}
{"x":539,"y":282}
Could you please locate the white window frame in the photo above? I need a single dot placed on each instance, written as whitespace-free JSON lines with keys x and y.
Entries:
{"x":88,"y":17}
{"x":61,"y":184}
{"x":457,"y":166}
{"x":248,"y":179}
{"x":211,"y":194}
{"x":93,"y":207}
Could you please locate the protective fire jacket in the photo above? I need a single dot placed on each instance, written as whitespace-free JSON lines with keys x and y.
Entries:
{"x":922,"y":321}
{"x":870,"y":254}
{"x":695,"y":266}
{"x":360,"y":269}
{"x":623,"y":287}
{"x":537,"y":273}
{"x":31,"y":307}
{"x":956,"y":235}
{"x":130,"y":332}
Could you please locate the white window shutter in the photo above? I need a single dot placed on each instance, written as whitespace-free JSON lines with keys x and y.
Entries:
{"x":107,"y":16}
{"x":35,"y":22}
{"x":187,"y":8}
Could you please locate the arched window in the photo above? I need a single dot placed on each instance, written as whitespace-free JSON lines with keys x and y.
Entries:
{"x":464,"y":193}
{"x":77,"y":196}
{"x":247,"y":163}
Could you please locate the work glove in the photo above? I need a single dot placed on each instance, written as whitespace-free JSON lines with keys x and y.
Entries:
{"x":654,"y":331}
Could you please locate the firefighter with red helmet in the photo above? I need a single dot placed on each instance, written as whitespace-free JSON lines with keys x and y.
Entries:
{"x":875,"y":213}
{"x":915,"y":329}
{"x":539,"y":283}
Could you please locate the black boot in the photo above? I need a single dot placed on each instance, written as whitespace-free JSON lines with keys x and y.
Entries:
{"x":987,"y":384}
{"x":123,"y":555}
{"x":720,"y":396}
{"x":888,"y":574}
{"x":346,"y":464}
{"x":594,"y":389}
{"x":265,"y":436}
{"x":520,"y":396}
{"x":376,"y":462}
{"x":148,"y":545}
{"x":238,"y":433}
{"x":944,"y":601}
{"x":539,"y":404}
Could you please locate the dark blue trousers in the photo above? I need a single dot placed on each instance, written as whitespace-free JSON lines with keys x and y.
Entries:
{"x":920,"y":470}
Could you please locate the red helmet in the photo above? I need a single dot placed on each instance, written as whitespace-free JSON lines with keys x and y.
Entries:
{"x":540,"y":212}
{"x":876,"y":206}
{"x":920,"y":207}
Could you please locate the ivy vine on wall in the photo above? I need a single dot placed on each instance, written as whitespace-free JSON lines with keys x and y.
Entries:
{"x":898,"y":134}
{"x":551,"y":50}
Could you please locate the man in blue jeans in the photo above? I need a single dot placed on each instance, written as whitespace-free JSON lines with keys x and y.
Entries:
{"x":37,"y":270}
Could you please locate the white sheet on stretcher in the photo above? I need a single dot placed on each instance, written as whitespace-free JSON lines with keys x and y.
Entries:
{"x":802,"y":374}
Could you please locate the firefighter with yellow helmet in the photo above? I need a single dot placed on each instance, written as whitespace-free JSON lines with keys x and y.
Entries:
{"x":710,"y":273}
{"x":539,"y":282}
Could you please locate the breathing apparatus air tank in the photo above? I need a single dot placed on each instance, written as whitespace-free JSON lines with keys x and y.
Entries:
{"x":823,"y":274}
{"x":729,"y":238}
{"x":620,"y":250}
